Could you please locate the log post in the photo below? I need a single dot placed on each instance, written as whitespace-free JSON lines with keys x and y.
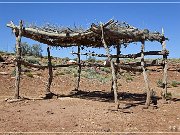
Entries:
{"x":165,"y":67}
{"x":18,"y":60}
{"x":117,"y":61}
{"x":118,"y":53}
{"x":148,"y":97}
{"x":112,"y":66}
{"x":50,"y":73}
{"x":79,"y":68}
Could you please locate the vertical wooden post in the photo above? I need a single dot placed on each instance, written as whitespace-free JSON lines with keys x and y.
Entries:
{"x":148,"y":97}
{"x":118,"y":53}
{"x":112,"y":66}
{"x":165,"y":66}
{"x":18,"y":60}
{"x":117,"y":61}
{"x":50,"y":73}
{"x":79,"y":68}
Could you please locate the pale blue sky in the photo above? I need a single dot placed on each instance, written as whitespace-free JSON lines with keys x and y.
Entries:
{"x":151,"y":16}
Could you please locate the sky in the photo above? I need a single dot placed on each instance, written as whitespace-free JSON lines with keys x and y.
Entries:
{"x":152,"y":16}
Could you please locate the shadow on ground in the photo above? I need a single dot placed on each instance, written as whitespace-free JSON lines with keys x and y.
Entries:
{"x":106,"y":96}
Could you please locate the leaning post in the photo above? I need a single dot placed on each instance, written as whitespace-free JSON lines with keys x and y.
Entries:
{"x":79,"y":68}
{"x":165,"y":67}
{"x":148,"y":97}
{"x":18,"y":35}
{"x":112,"y":66}
{"x":118,"y":52}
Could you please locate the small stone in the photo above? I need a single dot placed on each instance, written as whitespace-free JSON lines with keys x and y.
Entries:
{"x":3,"y":73}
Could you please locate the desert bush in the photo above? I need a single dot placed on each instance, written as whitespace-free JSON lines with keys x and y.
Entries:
{"x":169,"y":95}
{"x":29,"y":74}
{"x":34,"y":50}
{"x":91,"y":59}
{"x":32,"y":60}
{"x":75,"y":74}
{"x":13,"y":73}
{"x":107,"y":70}
{"x":175,"y":83}
{"x":128,"y":77}
{"x":92,"y":74}
{"x":159,"y":83}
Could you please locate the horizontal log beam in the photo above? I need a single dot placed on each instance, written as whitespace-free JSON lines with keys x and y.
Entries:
{"x":46,"y":33}
{"x":129,"y":67}
{"x":130,"y":34}
{"x":164,"y":52}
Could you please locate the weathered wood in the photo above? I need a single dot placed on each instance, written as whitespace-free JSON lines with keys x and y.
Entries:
{"x":45,"y":33}
{"x":112,"y":66}
{"x":148,"y":97}
{"x":130,"y":68}
{"x":165,"y":68}
{"x":165,"y":52}
{"x":18,"y":58}
{"x":50,"y":73}
{"x":118,"y":51}
{"x":129,"y":34}
{"x":27,"y":64}
{"x":115,"y":33}
{"x":79,"y":68}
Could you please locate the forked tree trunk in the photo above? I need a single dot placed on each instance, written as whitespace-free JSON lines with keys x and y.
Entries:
{"x":18,"y":60}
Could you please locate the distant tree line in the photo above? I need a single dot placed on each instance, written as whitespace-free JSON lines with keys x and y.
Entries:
{"x":31,"y":50}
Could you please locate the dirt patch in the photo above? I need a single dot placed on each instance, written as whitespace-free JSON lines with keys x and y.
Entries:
{"x":91,"y":109}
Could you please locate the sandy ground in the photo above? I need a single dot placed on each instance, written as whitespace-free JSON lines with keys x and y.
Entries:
{"x":89,"y":110}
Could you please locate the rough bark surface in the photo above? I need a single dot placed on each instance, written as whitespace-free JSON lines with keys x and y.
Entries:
{"x":165,"y":67}
{"x":148,"y":97}
{"x":18,"y":58}
{"x":50,"y":73}
{"x":79,"y":69}
{"x":112,"y":66}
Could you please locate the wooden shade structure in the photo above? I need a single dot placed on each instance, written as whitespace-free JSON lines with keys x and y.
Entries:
{"x":99,"y":35}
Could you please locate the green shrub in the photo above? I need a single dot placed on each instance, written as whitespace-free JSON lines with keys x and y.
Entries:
{"x":91,"y":59}
{"x":59,"y":73}
{"x":129,"y":78}
{"x":107,"y":70}
{"x":75,"y":74}
{"x":32,"y":60}
{"x":175,"y":83}
{"x":160,"y":83}
{"x":92,"y":74}
{"x":29,"y":74}
{"x":13,"y":73}
{"x":169,"y":95}
{"x":34,"y":50}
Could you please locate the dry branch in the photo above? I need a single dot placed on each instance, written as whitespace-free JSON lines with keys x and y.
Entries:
{"x":125,"y":56}
{"x":113,"y":31}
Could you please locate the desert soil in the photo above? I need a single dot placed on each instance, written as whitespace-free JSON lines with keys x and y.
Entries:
{"x":89,"y":110}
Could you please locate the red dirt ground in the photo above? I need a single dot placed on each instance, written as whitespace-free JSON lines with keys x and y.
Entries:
{"x":88,"y":111}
